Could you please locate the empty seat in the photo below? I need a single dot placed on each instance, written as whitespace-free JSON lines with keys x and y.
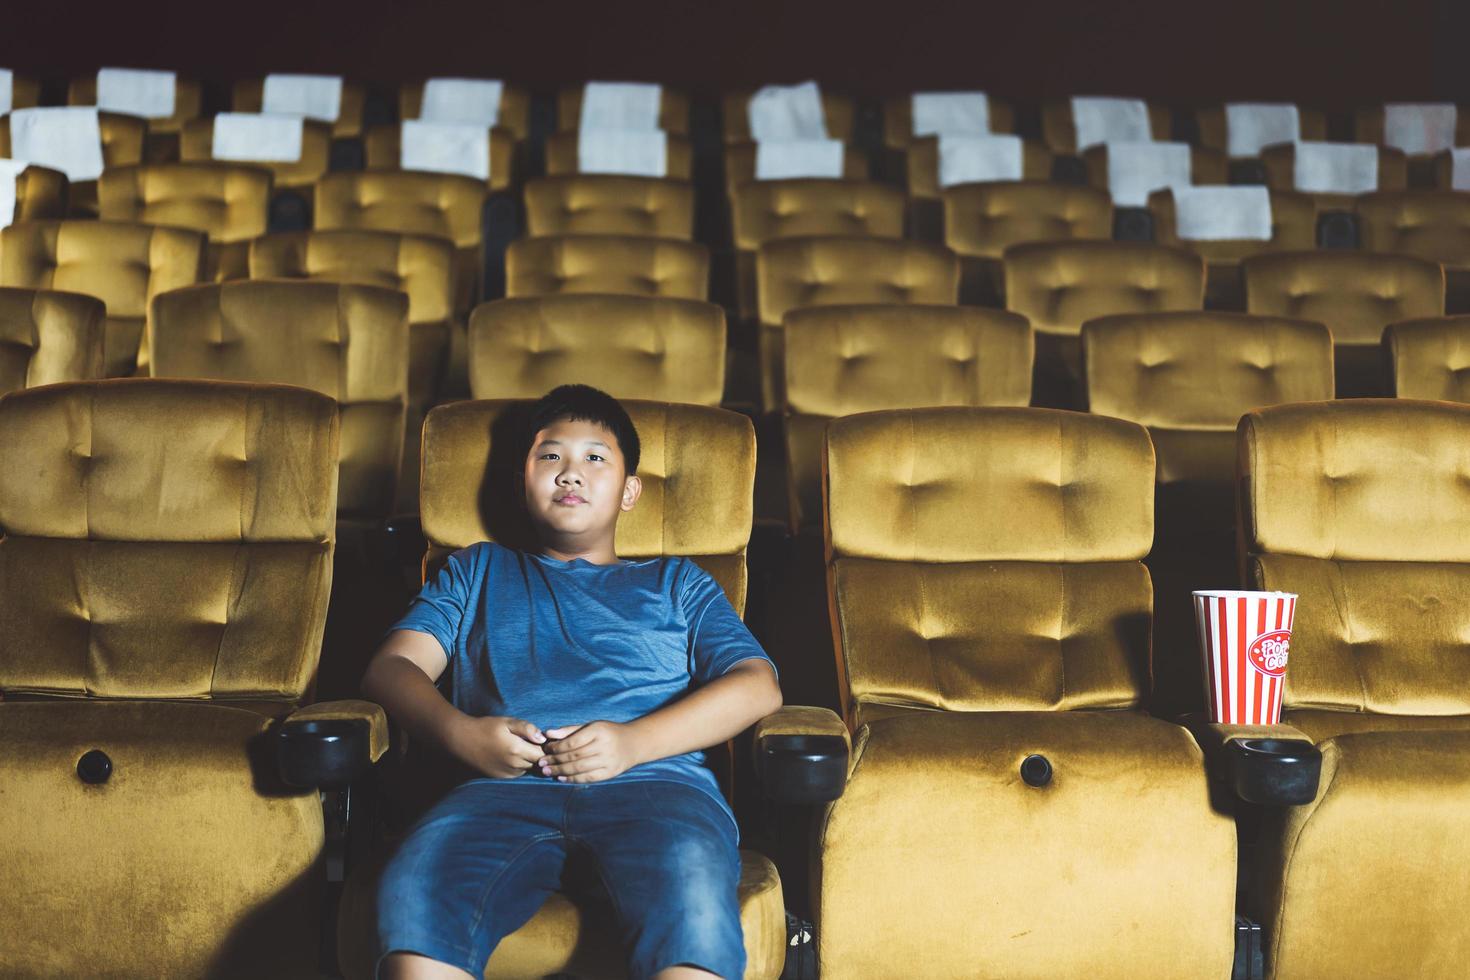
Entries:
{"x":928,"y":177}
{"x":453,"y":103}
{"x":347,"y":342}
{"x":197,"y":144}
{"x":123,"y":264}
{"x":839,"y":116}
{"x":120,"y":139}
{"x":900,"y":129}
{"x":793,"y":273}
{"x":1433,"y":225}
{"x":1258,"y":125}
{"x":654,"y":348}
{"x":625,"y":265}
{"x":40,"y":194}
{"x":227,"y":202}
{"x":1189,"y":377}
{"x":166,"y":559}
{"x":992,"y":618}
{"x":25,"y":91}
{"x":1420,"y":130}
{"x":1059,"y":129}
{"x":1335,"y":188}
{"x":981,"y":221}
{"x":285,"y":96}
{"x":842,"y":360}
{"x":563,"y":155}
{"x":383,"y":150}
{"x":1427,"y":358}
{"x":606,"y":204}
{"x":1356,"y":294}
{"x":673,"y":109}
{"x":741,"y":159}
{"x":1129,"y":179}
{"x":188,"y":99}
{"x":48,"y":336}
{"x":1059,"y":285}
{"x":1360,"y":509}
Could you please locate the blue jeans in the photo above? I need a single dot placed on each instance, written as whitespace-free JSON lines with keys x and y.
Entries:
{"x":479,"y":864}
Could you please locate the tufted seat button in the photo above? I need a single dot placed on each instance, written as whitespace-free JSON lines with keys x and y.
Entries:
{"x":94,"y":767}
{"x":1036,"y":770}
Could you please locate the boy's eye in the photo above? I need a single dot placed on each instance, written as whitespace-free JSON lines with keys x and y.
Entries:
{"x":549,"y":456}
{"x":594,"y":456}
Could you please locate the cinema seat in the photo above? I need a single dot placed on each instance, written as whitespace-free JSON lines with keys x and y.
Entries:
{"x":247,"y":95}
{"x":898,"y":121}
{"x":1427,"y":358}
{"x":1433,"y":225}
{"x":608,"y":204}
{"x":196,"y":144}
{"x":383,"y":150}
{"x":514,"y":113}
{"x":1280,"y":164}
{"x":1356,"y":294}
{"x":992,"y":620}
{"x":1369,"y":124}
{"x":698,"y":470}
{"x":740,"y":160}
{"x":562,"y":155}
{"x":40,"y":194}
{"x":1214,"y":133}
{"x":122,"y":146}
{"x":981,"y":221}
{"x":793,"y":273}
{"x":229,"y":203}
{"x":25,"y":91}
{"x":1293,"y":228}
{"x":420,"y":267}
{"x":188,"y":102}
{"x":623,"y":265}
{"x":653,"y":348}
{"x":47,"y":337}
{"x":839,"y":112}
{"x":123,"y":264}
{"x":1189,"y":377}
{"x":1206,"y":166}
{"x":443,"y":205}
{"x":673,"y":110}
{"x":842,"y":360}
{"x":1360,"y":509}
{"x":1059,"y":285}
{"x":1059,"y":130}
{"x":766,"y":210}
{"x":926,"y":210}
{"x":166,"y":561}
{"x":347,"y":342}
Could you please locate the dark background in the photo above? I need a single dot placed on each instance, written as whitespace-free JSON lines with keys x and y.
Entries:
{"x":1317,"y":52}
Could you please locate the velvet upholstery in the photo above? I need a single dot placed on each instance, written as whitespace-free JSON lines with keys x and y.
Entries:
{"x":609,"y":204}
{"x":347,"y":342}
{"x":515,"y":107}
{"x":1427,"y":358}
{"x":247,"y":95}
{"x":673,"y":110}
{"x":1060,"y":132}
{"x":898,"y":120}
{"x":986,"y":562}
{"x":922,"y":156}
{"x":1430,"y":224}
{"x":25,"y":91}
{"x":123,"y":264}
{"x":1214,"y":134}
{"x":740,"y":164}
{"x":47,"y":337}
{"x":122,"y":146}
{"x":842,"y":360}
{"x":41,"y":194}
{"x":196,"y":145}
{"x":1368,"y":125}
{"x":792,"y":273}
{"x":188,"y":101}
{"x":1206,"y":166}
{"x":653,"y":348}
{"x":562,"y":155}
{"x":229,"y":203}
{"x":840,"y":112}
{"x":626,"y":265}
{"x":383,"y":150}
{"x":1280,"y":164}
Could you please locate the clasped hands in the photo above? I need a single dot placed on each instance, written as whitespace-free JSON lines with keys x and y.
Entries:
{"x":504,"y":748}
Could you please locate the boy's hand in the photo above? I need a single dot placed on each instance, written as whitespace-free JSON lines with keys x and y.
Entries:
{"x":499,"y":747}
{"x":588,"y":753}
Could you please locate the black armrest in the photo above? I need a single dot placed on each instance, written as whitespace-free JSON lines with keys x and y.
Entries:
{"x":1133,"y":225}
{"x":801,"y":755}
{"x":1248,"y":172}
{"x":1337,"y":229}
{"x":1274,"y":771}
{"x":329,"y":745}
{"x":290,"y":210}
{"x":1068,"y":170}
{"x":347,"y":153}
{"x":500,"y":224}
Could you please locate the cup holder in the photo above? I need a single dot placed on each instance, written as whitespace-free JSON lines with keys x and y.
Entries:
{"x":1275,"y":771}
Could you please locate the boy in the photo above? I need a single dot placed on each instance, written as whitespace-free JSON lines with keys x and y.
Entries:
{"x":584,"y":688}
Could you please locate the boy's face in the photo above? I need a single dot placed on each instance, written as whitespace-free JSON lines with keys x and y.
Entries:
{"x":576,"y":484}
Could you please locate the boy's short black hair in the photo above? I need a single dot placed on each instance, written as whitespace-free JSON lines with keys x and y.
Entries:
{"x":584,"y":403}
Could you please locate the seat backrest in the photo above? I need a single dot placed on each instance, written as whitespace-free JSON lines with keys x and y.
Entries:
{"x":609,"y":204}
{"x":626,"y":265}
{"x":898,"y":120}
{"x":123,"y":264}
{"x":1206,"y":166}
{"x":820,"y":271}
{"x":1058,"y":285}
{"x":697,"y":468}
{"x":654,"y":348}
{"x":1059,"y":130}
{"x":348,"y":342}
{"x":765,"y":210}
{"x":248,"y":94}
{"x":228,"y":202}
{"x":515,"y":107}
{"x":1430,"y":358}
{"x":47,"y":337}
{"x":383,"y":150}
{"x":40,"y":194}
{"x":1280,"y":164}
{"x":1293,"y":227}
{"x":740,"y":162}
{"x":1362,"y":508}
{"x":165,"y":539}
{"x":196,"y":145}
{"x":562,"y":155}
{"x":1355,"y":293}
{"x":188,"y":101}
{"x":446,"y":205}
{"x":1213,"y":132}
{"x":839,"y":111}
{"x":989,"y":559}
{"x":1431,"y":224}
{"x":673,"y":110}
{"x":1369,"y":123}
{"x":984,"y":220}
{"x":922,"y":156}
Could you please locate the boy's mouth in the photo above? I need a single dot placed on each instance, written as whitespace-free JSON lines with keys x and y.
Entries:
{"x":568,"y":500}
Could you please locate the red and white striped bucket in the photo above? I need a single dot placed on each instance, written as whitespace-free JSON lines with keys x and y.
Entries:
{"x":1245,"y":638}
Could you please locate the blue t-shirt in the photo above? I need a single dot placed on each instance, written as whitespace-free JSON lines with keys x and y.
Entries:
{"x":566,"y":642}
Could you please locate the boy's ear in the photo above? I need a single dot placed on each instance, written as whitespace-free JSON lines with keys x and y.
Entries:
{"x":632,"y":490}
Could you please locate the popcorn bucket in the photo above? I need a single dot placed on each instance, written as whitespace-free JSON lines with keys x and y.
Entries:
{"x":1245,"y":638}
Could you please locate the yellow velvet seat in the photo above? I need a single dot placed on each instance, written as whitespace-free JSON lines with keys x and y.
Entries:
{"x":122,"y":146}
{"x":383,"y":150}
{"x":247,"y":95}
{"x":444,"y":205}
{"x":164,"y":573}
{"x":25,"y":91}
{"x":981,"y":221}
{"x":1361,"y":509}
{"x":348,"y":342}
{"x":188,"y":102}
{"x":1356,"y":294}
{"x":626,"y":265}
{"x":898,"y":121}
{"x":419,"y":266}
{"x":609,"y":204}
{"x":698,"y":468}
{"x":1293,"y":228}
{"x":991,"y":606}
{"x":229,"y":203}
{"x":653,"y":348}
{"x":1059,"y":130}
{"x":123,"y":264}
{"x":1214,"y":133}
{"x":1369,"y":122}
{"x":41,"y":194}
{"x":792,"y":273}
{"x":673,"y":110}
{"x":1189,"y":377}
{"x":921,"y":168}
{"x":1280,"y":164}
{"x":562,"y":155}
{"x":839,"y":114}
{"x":1427,"y":358}
{"x":1431,"y":224}
{"x":196,"y":144}
{"x":47,"y":337}
{"x":1059,"y":285}
{"x":842,"y":360}
{"x":740,"y":161}
{"x":514,"y":112}
{"x":1206,"y":166}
